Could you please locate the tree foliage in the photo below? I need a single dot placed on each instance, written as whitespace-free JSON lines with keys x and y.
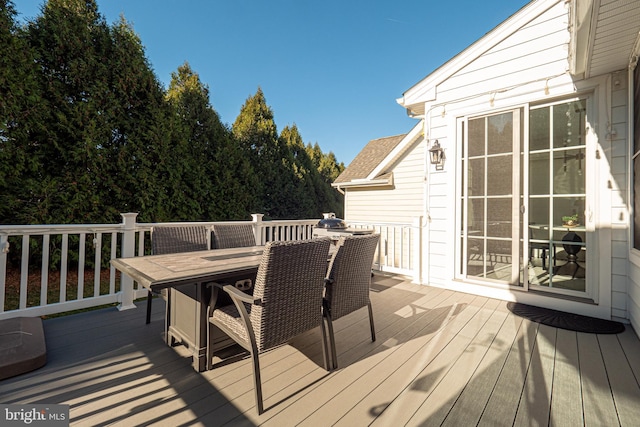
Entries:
{"x":87,"y":131}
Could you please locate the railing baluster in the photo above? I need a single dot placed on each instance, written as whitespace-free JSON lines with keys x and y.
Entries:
{"x":141,"y":236}
{"x":44,"y":270}
{"x":24,"y":271}
{"x":97,"y":244}
{"x":63,"y":267}
{"x":112,"y":270}
{"x":81,"y":260}
{"x":4,"y":249}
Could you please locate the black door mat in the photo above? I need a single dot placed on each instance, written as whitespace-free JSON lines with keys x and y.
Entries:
{"x":22,"y":346}
{"x":563,"y":320}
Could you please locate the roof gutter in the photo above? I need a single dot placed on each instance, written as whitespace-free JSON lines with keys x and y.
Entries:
{"x":363,"y":183}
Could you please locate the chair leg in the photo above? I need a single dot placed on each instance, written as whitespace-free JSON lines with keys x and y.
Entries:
{"x":325,"y":351}
{"x":332,"y":341}
{"x":149,"y":301}
{"x":257,"y":385}
{"x":373,"y":329}
{"x":209,"y":348}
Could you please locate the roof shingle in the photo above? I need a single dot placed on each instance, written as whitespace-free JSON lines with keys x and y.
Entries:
{"x":370,"y":157}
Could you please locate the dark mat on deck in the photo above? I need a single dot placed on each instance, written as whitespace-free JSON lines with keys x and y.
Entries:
{"x":22,"y":346}
{"x":561,"y":319}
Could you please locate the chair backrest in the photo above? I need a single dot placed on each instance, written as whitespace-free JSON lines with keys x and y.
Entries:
{"x":175,"y":239}
{"x":290,"y":284}
{"x":233,"y":235}
{"x":350,"y":274}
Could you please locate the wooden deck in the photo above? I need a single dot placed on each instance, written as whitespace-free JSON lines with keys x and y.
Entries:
{"x":440,"y":358}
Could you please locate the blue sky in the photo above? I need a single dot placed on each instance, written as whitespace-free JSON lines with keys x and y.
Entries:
{"x":334,"y":68}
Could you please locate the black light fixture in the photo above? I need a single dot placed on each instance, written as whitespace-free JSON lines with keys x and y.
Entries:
{"x":437,"y":155}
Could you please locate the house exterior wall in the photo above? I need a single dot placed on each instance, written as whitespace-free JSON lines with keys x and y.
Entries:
{"x":620,"y":220}
{"x":633,"y":288}
{"x":633,"y":300}
{"x":528,"y":67}
{"x":400,"y":203}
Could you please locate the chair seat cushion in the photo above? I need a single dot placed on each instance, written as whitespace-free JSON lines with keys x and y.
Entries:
{"x":229,"y":316}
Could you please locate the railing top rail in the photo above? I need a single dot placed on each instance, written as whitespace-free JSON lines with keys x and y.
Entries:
{"x":21,"y":229}
{"x":185,"y":223}
{"x":291,"y":221}
{"x":386,"y":224}
{"x":12,"y":230}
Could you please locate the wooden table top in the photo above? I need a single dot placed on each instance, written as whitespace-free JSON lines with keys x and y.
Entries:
{"x":165,"y":271}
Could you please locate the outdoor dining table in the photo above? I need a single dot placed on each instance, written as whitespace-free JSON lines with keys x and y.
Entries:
{"x":185,"y":276}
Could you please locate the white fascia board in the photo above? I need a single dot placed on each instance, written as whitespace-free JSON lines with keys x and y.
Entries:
{"x":422,"y":94}
{"x":425,"y":90}
{"x":408,"y":139}
{"x":582,"y":19}
{"x":365,"y":183}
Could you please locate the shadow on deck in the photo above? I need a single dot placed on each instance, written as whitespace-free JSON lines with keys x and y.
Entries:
{"x":440,"y":358}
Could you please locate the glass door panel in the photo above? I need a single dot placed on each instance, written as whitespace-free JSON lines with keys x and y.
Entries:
{"x":556,"y":199}
{"x":489,"y":200}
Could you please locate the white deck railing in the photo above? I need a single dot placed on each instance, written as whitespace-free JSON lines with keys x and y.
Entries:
{"x":82,"y":276}
{"x":399,"y":248}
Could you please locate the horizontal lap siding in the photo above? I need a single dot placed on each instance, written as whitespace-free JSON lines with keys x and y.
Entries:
{"x":535,"y":52}
{"x":619,"y":212}
{"x":633,"y":300}
{"x":402,"y":203}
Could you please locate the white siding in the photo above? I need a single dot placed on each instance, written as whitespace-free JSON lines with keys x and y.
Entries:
{"x":633,"y":298}
{"x":533,"y":54}
{"x":401,"y":203}
{"x":618,"y":184}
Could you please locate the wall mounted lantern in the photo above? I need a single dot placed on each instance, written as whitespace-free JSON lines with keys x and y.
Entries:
{"x":437,"y":155}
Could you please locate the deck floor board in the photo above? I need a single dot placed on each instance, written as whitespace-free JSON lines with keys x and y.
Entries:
{"x":440,"y":358}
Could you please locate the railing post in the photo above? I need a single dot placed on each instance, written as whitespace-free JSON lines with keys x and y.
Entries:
{"x":4,"y":250}
{"x":128,"y":250}
{"x":417,"y":249}
{"x":257,"y":228}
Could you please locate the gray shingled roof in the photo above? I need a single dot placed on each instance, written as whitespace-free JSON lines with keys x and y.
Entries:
{"x":369,"y":158}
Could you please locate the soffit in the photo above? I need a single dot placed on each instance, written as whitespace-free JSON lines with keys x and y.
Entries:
{"x":612,"y":42}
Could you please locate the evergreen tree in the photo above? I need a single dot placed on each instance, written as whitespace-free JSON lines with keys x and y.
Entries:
{"x":303,"y":189}
{"x":328,"y":198}
{"x":19,"y":110}
{"x":71,"y":41}
{"x":141,"y":171}
{"x":87,"y":131}
{"x":255,"y":130}
{"x":216,"y":175}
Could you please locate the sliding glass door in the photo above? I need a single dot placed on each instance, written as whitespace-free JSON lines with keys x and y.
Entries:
{"x":522,"y":198}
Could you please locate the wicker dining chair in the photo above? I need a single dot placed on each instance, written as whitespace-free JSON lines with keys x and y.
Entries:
{"x":175,"y":239}
{"x":232,"y":236}
{"x":347,"y":283}
{"x":286,"y":302}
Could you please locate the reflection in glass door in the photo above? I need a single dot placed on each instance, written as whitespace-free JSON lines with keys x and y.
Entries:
{"x":491,"y":199}
{"x":557,"y":194}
